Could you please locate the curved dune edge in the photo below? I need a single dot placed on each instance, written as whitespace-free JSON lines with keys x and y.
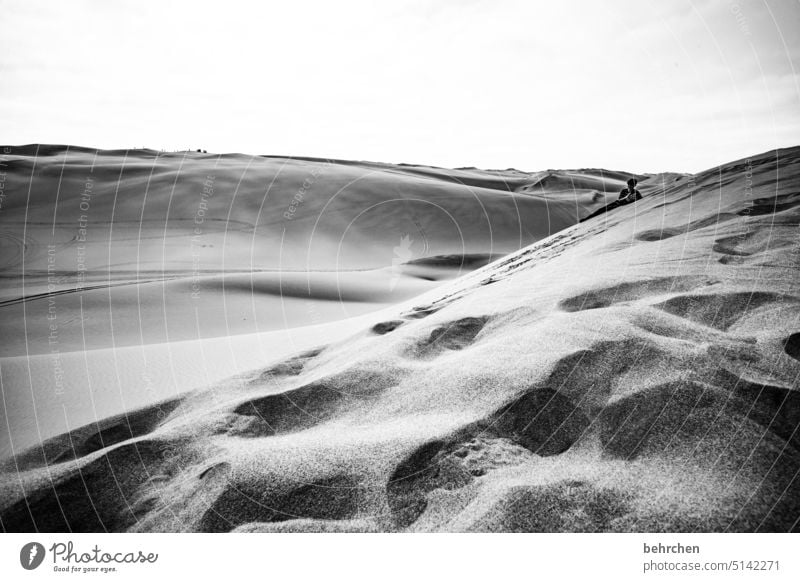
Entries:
{"x":637,"y":372}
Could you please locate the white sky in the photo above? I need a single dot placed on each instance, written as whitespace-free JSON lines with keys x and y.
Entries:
{"x":635,"y":85}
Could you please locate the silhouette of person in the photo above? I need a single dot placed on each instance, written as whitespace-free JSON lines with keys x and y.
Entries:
{"x":626,"y":196}
{"x":629,"y":194}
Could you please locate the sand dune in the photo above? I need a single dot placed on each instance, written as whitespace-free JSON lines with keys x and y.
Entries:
{"x":155,"y":237}
{"x":636,"y":372}
{"x":116,"y":265}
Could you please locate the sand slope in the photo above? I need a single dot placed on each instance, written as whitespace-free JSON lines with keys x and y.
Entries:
{"x":637,"y":372}
{"x":139,"y":247}
{"x":117,"y":266}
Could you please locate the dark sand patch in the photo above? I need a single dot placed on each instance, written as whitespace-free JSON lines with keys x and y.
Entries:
{"x":771,"y":205}
{"x":291,"y":367}
{"x":629,"y":291}
{"x":719,"y":310}
{"x":385,"y":327}
{"x":93,"y":437}
{"x":333,"y":498}
{"x":100,"y":496}
{"x":446,"y":464}
{"x":791,"y":345}
{"x":669,"y":232}
{"x":543,"y":421}
{"x":454,"y":335}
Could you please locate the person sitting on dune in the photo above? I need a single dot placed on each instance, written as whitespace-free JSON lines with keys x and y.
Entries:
{"x":629,"y":194}
{"x":626,"y":196}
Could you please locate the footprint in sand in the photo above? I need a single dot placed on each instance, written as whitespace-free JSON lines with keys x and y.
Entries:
{"x":334,"y":498}
{"x":290,"y":367}
{"x":454,"y":335}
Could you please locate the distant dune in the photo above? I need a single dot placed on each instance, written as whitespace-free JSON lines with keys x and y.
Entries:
{"x":151,"y":238}
{"x":635,"y":372}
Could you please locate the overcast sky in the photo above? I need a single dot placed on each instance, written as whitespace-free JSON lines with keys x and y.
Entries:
{"x":634,"y":85}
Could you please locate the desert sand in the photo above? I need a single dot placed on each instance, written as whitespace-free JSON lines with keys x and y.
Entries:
{"x":120,"y":267}
{"x":635,"y":372}
{"x":251,"y":243}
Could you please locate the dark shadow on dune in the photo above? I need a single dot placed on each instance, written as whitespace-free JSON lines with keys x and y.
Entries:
{"x":718,"y":310}
{"x":665,"y":233}
{"x":773,"y":407}
{"x":308,"y":405}
{"x":762,"y":206}
{"x":408,"y":486}
{"x":335,"y":498}
{"x":736,"y":249}
{"x":291,"y":367}
{"x":454,"y":335}
{"x":646,"y":422}
{"x":660,"y":323}
{"x":608,"y":296}
{"x":684,"y":413}
{"x":467,"y":261}
{"x":93,"y":437}
{"x":291,"y":411}
{"x":385,"y":327}
{"x":286,"y":286}
{"x":791,"y":345}
{"x":543,"y":421}
{"x":97,"y":497}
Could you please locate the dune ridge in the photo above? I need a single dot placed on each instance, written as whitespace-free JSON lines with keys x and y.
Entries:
{"x":636,"y":372}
